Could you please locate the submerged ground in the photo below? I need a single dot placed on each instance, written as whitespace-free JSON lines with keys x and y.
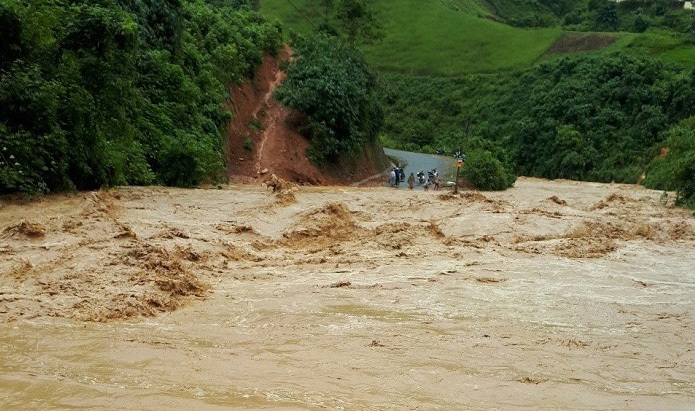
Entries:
{"x":549,"y":295}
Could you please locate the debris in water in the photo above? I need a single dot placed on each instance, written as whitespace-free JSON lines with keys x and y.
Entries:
{"x":27,"y":229}
{"x":557,"y":200}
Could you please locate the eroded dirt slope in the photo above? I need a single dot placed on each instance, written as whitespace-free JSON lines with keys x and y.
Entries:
{"x":263,"y":137}
{"x":551,"y":294}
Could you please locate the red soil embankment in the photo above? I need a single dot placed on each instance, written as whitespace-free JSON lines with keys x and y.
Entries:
{"x":262,"y":138}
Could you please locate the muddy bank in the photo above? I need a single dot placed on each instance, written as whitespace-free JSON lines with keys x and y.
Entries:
{"x":553,"y":294}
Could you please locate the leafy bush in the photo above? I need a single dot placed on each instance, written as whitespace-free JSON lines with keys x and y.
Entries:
{"x":248,"y":144}
{"x":485,"y":172}
{"x":255,"y":125}
{"x":676,"y":170}
{"x":330,"y":82}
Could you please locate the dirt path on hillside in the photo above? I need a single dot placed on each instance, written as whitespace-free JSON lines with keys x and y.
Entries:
{"x":262,"y":138}
{"x":549,"y":295}
{"x":271,"y":125}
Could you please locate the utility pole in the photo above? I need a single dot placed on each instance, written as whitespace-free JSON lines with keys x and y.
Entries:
{"x":459,"y":161}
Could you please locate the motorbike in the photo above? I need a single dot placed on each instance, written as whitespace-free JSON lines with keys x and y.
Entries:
{"x":432,"y":174}
{"x":421,"y":178}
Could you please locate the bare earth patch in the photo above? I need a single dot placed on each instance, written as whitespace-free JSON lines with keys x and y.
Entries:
{"x":576,"y":42}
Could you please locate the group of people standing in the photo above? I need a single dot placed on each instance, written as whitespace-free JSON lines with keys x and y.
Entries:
{"x":397,"y":175}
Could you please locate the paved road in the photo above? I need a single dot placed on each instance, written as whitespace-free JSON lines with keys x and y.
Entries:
{"x":416,"y":162}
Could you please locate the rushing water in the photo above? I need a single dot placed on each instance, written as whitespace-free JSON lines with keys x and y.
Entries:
{"x":579,"y":333}
{"x":387,"y":316}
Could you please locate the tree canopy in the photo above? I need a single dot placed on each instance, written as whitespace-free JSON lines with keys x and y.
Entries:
{"x":111,"y":92}
{"x":587,"y":117}
{"x":330,"y":82}
{"x":674,"y":168}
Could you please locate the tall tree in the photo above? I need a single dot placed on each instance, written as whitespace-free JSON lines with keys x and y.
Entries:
{"x":358,"y":20}
{"x":331,"y":83}
{"x":607,"y":17}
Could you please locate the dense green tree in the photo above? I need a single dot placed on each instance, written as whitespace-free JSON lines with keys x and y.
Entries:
{"x":330,"y":82}
{"x":573,"y":153}
{"x":676,"y":170}
{"x":660,"y":7}
{"x":607,"y":17}
{"x":11,"y":34}
{"x":110,"y":92}
{"x":641,"y":23}
{"x":358,"y":21}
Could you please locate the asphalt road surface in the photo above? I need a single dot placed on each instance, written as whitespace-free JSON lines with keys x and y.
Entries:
{"x":416,"y":162}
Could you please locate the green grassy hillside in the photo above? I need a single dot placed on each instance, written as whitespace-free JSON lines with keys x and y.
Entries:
{"x":456,"y":37}
{"x":423,"y":36}
{"x":433,"y":37}
{"x":671,"y":47}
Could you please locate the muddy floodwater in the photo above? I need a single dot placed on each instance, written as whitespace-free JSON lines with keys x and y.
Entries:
{"x":551,"y":295}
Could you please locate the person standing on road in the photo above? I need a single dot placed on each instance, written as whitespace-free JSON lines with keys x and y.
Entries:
{"x":411,"y":181}
{"x":392,"y":178}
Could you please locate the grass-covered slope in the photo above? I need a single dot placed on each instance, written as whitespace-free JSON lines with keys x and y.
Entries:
{"x":431,"y":36}
{"x":423,"y":36}
{"x":455,"y":37}
{"x":669,"y":46}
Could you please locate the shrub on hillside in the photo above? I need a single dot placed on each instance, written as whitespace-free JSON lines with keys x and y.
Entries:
{"x":676,"y":170}
{"x":485,"y":172}
{"x":595,"y":118}
{"x":332,"y":85}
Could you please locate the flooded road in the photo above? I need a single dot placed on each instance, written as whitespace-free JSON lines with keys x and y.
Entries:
{"x":509,"y":300}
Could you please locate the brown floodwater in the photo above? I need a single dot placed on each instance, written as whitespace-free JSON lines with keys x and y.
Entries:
{"x":376,"y":309}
